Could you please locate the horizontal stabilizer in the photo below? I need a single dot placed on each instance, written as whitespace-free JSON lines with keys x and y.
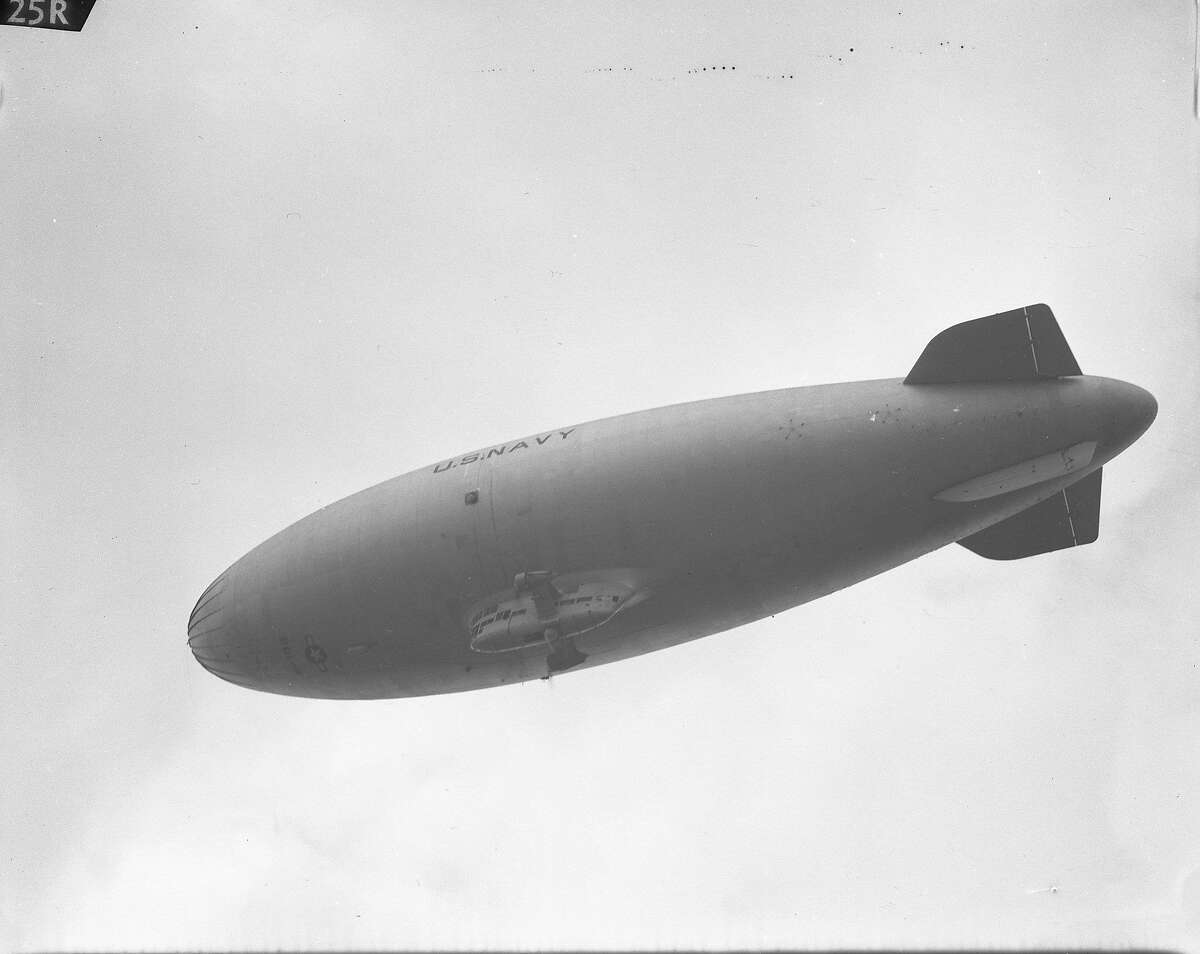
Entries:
{"x":1020,"y":345}
{"x":1068,"y":519}
{"x":1036,"y":470}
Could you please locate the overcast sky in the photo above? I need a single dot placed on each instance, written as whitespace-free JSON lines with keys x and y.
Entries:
{"x":256,"y":257}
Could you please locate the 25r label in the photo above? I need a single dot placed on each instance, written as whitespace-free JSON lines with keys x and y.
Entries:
{"x":47,"y":14}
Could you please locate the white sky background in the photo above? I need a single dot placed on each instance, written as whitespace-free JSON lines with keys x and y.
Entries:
{"x":259,"y":256}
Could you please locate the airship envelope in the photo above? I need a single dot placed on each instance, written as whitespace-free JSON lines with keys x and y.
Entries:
{"x":582,"y":545}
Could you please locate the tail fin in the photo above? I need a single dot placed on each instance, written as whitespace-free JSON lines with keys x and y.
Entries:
{"x":1070,"y":518}
{"x":1019,"y":345}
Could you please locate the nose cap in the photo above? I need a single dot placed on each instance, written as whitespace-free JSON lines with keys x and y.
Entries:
{"x":211,"y":636}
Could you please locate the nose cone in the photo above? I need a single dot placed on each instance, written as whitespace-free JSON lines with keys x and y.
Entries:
{"x":1131,"y":411}
{"x":213,"y":639}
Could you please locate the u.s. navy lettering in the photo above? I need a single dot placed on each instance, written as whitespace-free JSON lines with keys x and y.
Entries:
{"x":500,"y":451}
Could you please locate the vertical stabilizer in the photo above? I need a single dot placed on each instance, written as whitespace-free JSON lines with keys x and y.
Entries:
{"x":1020,"y":345}
{"x":1070,"y":518}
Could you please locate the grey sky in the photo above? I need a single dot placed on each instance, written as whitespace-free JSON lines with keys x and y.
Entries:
{"x":257,"y":257}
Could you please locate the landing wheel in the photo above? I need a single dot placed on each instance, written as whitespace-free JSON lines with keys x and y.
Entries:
{"x":563,"y":654}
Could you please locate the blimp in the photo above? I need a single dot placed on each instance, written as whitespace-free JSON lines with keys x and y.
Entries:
{"x":590,"y":543}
